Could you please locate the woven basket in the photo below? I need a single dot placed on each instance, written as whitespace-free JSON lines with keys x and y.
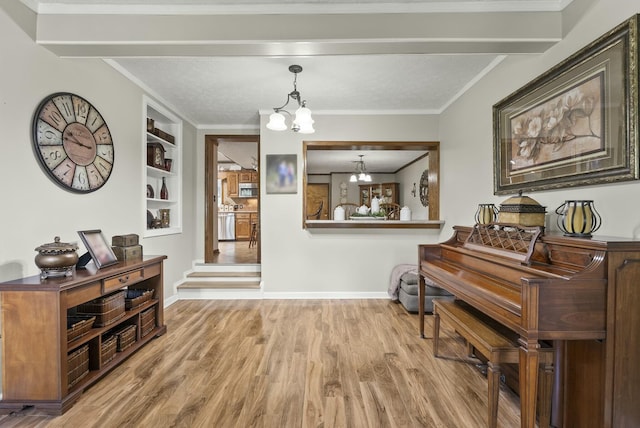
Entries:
{"x":107,"y":309}
{"x":126,"y":337}
{"x":77,"y":365}
{"x":136,"y":298}
{"x":147,"y":321}
{"x":78,"y":326}
{"x":108,"y":348}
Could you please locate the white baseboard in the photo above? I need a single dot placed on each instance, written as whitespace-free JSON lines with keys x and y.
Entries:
{"x":198,"y":294}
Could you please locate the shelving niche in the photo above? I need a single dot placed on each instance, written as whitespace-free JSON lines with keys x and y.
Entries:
{"x":168,"y":123}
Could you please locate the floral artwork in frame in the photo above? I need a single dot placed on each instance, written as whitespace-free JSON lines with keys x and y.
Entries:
{"x":576,"y":124}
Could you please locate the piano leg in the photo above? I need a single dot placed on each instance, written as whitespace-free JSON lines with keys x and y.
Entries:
{"x":421,"y":293}
{"x":528,"y":379}
{"x":493,"y":381}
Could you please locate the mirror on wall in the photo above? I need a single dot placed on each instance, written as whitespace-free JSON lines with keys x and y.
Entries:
{"x":351,"y":174}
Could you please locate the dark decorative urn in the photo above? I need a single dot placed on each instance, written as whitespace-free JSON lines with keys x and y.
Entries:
{"x":56,"y":258}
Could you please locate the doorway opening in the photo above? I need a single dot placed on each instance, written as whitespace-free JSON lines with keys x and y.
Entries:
{"x":232,"y":202}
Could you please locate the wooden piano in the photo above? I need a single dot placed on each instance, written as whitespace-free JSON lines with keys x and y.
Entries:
{"x":582,"y":295}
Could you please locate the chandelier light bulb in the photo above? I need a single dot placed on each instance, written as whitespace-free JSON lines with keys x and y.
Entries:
{"x":276,"y":122}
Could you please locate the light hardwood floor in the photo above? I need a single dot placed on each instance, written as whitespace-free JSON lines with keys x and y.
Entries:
{"x":291,"y":363}
{"x":236,"y":252}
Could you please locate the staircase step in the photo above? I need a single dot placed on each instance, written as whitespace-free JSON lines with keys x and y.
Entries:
{"x":220,"y":284}
{"x":223,"y":274}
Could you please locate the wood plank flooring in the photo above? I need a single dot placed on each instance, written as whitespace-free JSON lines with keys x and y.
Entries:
{"x":291,"y":363}
{"x":236,"y":252}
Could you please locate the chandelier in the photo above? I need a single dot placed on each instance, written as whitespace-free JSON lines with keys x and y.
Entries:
{"x":360,"y":173}
{"x":302,"y":123}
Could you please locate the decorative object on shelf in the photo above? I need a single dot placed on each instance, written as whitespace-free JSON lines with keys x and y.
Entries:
{"x":521,"y":210}
{"x":413,"y":191}
{"x":363,"y":210}
{"x":56,"y":258}
{"x":405,"y":213}
{"x":360,"y":173}
{"x":165,"y":217}
{"x":562,"y":130}
{"x":163,"y":135}
{"x":164,"y":192}
{"x":98,"y":248}
{"x":302,"y":123}
{"x":72,"y":142}
{"x":375,"y":205}
{"x":126,"y":247}
{"x":338,"y":213}
{"x":155,"y":155}
{"x":578,"y":218}
{"x":487,"y":213}
{"x":150,"y":125}
{"x":424,"y":188}
{"x":150,"y":192}
{"x":150,"y":219}
{"x":167,"y":164}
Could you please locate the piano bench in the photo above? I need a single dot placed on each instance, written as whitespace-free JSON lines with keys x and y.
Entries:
{"x":482,"y":333}
{"x":408,"y":293}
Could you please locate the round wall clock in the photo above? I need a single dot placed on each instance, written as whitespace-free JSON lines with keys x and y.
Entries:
{"x":424,"y":188}
{"x":72,"y":142}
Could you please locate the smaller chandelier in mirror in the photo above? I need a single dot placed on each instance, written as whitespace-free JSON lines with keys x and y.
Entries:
{"x":360,"y":174}
{"x":302,"y":121}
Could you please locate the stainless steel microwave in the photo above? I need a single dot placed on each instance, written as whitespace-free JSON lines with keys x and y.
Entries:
{"x":248,"y":190}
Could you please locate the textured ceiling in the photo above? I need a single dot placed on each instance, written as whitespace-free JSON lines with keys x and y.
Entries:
{"x":231,"y":91}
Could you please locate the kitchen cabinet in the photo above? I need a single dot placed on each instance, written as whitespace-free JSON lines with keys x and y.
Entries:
{"x":243,"y":226}
{"x":164,"y":132}
{"x":386,"y":192}
{"x":232,"y":184}
{"x":44,"y":363}
{"x":245,"y":177}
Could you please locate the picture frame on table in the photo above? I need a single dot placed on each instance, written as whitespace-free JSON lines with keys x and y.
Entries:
{"x":576,"y":124}
{"x":98,"y":248}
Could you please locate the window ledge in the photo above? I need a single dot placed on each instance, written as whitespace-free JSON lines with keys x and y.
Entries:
{"x":373,"y":224}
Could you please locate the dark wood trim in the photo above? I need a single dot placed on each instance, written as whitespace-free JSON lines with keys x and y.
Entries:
{"x":434,"y":182}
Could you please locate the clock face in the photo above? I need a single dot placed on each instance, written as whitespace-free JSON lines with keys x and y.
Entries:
{"x":72,"y":142}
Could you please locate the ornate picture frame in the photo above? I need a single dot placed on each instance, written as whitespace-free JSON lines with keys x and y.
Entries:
{"x":98,"y":248}
{"x":575,"y":125}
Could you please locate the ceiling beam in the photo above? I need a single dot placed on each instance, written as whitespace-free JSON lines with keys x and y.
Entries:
{"x":112,"y":36}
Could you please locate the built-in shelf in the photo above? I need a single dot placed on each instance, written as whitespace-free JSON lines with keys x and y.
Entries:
{"x":169,"y":123}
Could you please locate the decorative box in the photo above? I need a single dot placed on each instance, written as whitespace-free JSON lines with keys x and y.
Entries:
{"x":155,"y":155}
{"x":124,"y":240}
{"x":125,"y":254}
{"x":522,"y":210}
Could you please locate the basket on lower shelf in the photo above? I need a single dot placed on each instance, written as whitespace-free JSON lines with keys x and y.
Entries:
{"x":79,"y":325}
{"x":126,"y":337}
{"x":136,"y":298}
{"x":107,"y":309}
{"x":147,"y":321}
{"x":108,"y":348}
{"x":77,"y":365}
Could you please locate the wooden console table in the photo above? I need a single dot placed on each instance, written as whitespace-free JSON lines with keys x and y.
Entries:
{"x":34,"y":331}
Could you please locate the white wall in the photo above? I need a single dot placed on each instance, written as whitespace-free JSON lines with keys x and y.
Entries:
{"x":346,"y":263}
{"x":34,"y":209}
{"x":409,"y":175}
{"x":466,"y":135}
